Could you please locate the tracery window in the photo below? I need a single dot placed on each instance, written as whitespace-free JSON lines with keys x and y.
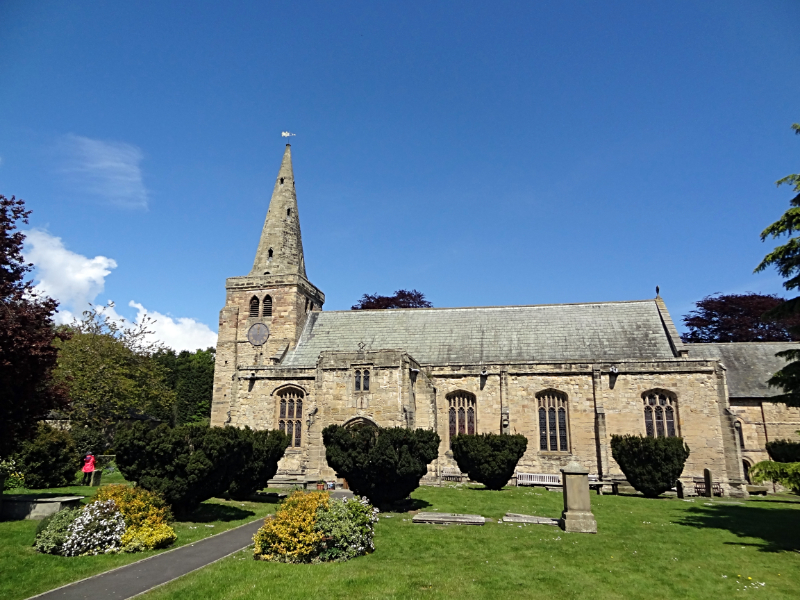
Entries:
{"x":553,"y":421}
{"x":462,"y":418}
{"x":266,"y":310}
{"x":362,"y":380}
{"x":290,"y":415}
{"x":659,"y":414}
{"x":253,"y":306}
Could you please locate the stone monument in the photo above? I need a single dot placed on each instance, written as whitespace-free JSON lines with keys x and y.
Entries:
{"x":577,"y":516}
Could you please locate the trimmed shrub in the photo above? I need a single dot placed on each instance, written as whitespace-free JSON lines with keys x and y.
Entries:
{"x":384,"y":465}
{"x":186,"y":465}
{"x":310,"y":527}
{"x":98,"y":529}
{"x":52,"y":531}
{"x":488,"y":458}
{"x":48,"y":460}
{"x":268,"y":447}
{"x":784,"y":451}
{"x":291,"y":536}
{"x":146,"y":516}
{"x":652,"y":465}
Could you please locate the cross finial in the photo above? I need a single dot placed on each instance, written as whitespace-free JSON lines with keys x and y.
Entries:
{"x":361,"y":346}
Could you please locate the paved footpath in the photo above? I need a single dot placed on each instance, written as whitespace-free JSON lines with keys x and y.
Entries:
{"x":136,"y":578}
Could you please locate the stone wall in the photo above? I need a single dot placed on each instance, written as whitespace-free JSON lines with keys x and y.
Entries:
{"x":600,"y":403}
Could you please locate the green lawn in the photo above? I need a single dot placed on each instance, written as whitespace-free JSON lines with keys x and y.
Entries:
{"x":664,"y":548}
{"x":24,"y":572}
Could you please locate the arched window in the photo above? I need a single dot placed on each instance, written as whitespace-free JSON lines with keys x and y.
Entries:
{"x":366,"y":380}
{"x":266,"y":310}
{"x":290,"y":404}
{"x":462,"y":417}
{"x":253,"y":306}
{"x":269,"y":254}
{"x":553,"y":421}
{"x":358,"y":380}
{"x":659,"y":414}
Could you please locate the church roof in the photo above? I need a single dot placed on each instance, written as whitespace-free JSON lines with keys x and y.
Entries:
{"x":603,"y":331}
{"x":749,"y":365}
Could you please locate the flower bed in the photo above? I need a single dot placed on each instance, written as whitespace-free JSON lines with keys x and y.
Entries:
{"x":119,"y":519}
{"x":311,"y":527}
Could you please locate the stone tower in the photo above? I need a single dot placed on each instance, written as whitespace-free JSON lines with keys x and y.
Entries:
{"x":276,"y":293}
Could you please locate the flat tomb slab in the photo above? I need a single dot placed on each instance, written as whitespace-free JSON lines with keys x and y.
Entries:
{"x":23,"y":506}
{"x":517,"y":518}
{"x":448,"y":518}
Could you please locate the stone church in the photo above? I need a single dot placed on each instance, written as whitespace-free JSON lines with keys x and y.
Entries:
{"x":567,"y":376}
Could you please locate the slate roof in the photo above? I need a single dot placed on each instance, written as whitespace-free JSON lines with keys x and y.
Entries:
{"x":749,"y":365}
{"x":605,"y":331}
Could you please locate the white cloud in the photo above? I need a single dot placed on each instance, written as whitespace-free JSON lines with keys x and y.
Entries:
{"x":76,"y":280}
{"x":180,"y":333}
{"x":108,"y":170}
{"x":72,"y":279}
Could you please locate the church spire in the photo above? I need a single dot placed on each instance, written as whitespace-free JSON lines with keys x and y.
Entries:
{"x":280,"y":250}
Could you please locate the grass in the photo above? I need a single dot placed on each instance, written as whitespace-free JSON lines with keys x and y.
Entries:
{"x":24,"y":572}
{"x":664,"y":548}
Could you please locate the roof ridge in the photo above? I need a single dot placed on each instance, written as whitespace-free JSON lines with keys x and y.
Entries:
{"x":434,"y":308}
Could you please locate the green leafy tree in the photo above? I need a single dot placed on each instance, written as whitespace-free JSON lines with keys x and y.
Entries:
{"x":384,"y":465}
{"x":488,"y":458}
{"x":109,"y":372}
{"x":786,"y":260}
{"x":652,"y":465}
{"x":50,"y":459}
{"x":191,"y":377}
{"x":27,"y":332}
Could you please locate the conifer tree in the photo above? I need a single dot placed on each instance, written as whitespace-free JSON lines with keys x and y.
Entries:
{"x":786,"y":259}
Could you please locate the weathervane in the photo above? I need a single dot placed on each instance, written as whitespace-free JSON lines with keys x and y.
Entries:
{"x":286,"y":134}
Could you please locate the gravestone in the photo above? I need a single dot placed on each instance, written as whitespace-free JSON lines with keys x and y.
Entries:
{"x":97,"y":476}
{"x":517,"y":518}
{"x":448,"y":519}
{"x":577,"y":516}
{"x":709,"y":480}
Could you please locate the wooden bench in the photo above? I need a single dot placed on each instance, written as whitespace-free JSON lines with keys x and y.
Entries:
{"x":700,"y":487}
{"x":452,"y":475}
{"x":596,"y":484}
{"x":542,"y":479}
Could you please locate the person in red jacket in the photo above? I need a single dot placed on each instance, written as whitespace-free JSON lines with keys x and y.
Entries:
{"x":88,"y":469}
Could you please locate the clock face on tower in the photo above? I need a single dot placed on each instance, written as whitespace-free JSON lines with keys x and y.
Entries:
{"x":258,"y":334}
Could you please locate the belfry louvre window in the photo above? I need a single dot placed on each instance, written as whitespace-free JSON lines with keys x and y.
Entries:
{"x":362,"y":380}
{"x":266,"y":308}
{"x":253,"y":306}
{"x":659,"y":414}
{"x":462,"y":407}
{"x":290,"y":417}
{"x":553,"y":421}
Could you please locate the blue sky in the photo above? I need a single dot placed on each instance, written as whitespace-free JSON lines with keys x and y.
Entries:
{"x":483,"y":153}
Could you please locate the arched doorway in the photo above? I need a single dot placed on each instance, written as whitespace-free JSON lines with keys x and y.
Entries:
{"x":746,"y":467}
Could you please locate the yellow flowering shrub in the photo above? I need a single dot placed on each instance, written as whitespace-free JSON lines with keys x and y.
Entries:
{"x":147,"y":537}
{"x":146,"y":515}
{"x":290,"y":535}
